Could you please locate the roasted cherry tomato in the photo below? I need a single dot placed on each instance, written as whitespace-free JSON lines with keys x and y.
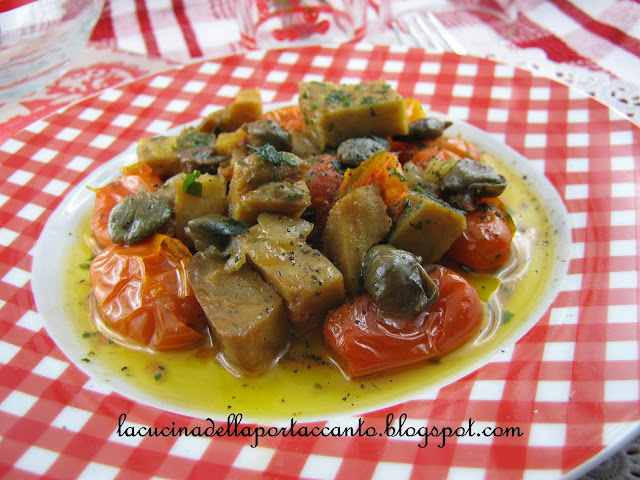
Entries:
{"x":457,"y":145}
{"x":142,"y":295}
{"x":323,"y":179}
{"x":135,"y":177}
{"x":289,"y":117}
{"x":422,"y":157}
{"x":486,"y":242}
{"x":414,"y":109}
{"x":383,"y":169}
{"x":366,"y":341}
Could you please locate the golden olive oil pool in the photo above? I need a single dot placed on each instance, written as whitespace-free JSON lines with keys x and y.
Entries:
{"x":306,"y":384}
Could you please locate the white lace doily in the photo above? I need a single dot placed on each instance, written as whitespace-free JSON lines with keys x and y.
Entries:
{"x":617,"y":94}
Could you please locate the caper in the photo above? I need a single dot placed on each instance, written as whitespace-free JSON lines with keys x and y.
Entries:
{"x":428,"y":128}
{"x":265,"y":131}
{"x":138,"y":216}
{"x":469,"y":180}
{"x":396,"y":281}
{"x":354,"y":151}
{"x":204,"y":159}
{"x":213,"y":230}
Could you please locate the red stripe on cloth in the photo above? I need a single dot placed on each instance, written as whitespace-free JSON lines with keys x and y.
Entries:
{"x":187,"y":31}
{"x":7,"y":5}
{"x":612,"y":34}
{"x":531,"y":35}
{"x":104,"y":27}
{"x":146,"y":28}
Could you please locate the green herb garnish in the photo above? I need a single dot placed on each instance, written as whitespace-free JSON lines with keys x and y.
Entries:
{"x":338,"y":96}
{"x":194,"y":138}
{"x":191,"y":185}
{"x":506,"y":316}
{"x":268,"y":153}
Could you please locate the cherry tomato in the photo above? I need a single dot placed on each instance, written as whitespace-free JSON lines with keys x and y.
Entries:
{"x":414,"y":109}
{"x":383,"y":169}
{"x":141,"y":293}
{"x":324,"y":179}
{"x":404,"y":151}
{"x":422,"y":157}
{"x":366,"y":341}
{"x":135,"y":177}
{"x":486,"y":242}
{"x":289,"y":117}
{"x":457,"y":145}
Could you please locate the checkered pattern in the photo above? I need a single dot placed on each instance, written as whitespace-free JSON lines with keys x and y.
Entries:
{"x":571,"y":384}
{"x":601,"y":35}
{"x":177,"y":30}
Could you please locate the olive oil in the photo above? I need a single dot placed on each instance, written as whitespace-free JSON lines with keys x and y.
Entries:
{"x":306,"y":384}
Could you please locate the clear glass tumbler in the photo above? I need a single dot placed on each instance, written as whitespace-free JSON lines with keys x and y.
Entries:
{"x":39,"y":39}
{"x":268,"y":24}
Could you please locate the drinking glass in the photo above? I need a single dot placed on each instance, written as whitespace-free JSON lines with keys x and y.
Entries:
{"x":267,"y":24}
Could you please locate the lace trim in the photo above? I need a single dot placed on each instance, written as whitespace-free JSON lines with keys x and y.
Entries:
{"x":617,"y":94}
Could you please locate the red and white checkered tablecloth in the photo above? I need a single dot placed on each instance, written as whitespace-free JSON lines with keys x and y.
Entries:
{"x":601,"y":35}
{"x":571,"y":384}
{"x":136,"y":37}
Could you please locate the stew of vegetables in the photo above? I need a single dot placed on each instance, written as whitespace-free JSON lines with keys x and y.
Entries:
{"x":252,"y":230}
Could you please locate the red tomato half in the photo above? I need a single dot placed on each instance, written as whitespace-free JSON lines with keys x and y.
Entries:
{"x":134,"y":178}
{"x":141,"y":293}
{"x":324,"y":179}
{"x":457,"y":145}
{"x":366,"y":341}
{"x":486,"y":242}
{"x":289,"y":117}
{"x":422,"y":158}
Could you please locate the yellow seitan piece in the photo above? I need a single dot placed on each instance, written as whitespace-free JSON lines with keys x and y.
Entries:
{"x":272,"y":182}
{"x":333,"y":113}
{"x":427,"y":228}
{"x":307,"y":281}
{"x":357,"y":222}
{"x":247,"y":317}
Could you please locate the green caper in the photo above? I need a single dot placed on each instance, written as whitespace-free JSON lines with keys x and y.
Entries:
{"x":202,"y":159}
{"x":265,"y":131}
{"x":213,"y":230}
{"x":428,"y":128}
{"x":354,"y":151}
{"x":469,"y":180}
{"x":138,"y":216}
{"x":397,"y":282}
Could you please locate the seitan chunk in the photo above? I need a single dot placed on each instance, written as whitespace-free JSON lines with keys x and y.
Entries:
{"x":428,"y":227}
{"x":260,"y":185}
{"x":246,"y":316}
{"x":356,"y":222}
{"x":307,"y":281}
{"x":246,"y":107}
{"x":333,"y":113}
{"x":210,"y":197}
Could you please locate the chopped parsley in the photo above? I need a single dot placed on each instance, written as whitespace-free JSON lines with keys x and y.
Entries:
{"x":86,"y":265}
{"x":338,"y":96}
{"x":191,"y":185}
{"x":194,"y":138}
{"x":294,"y":194}
{"x":268,"y":153}
{"x":506,"y":316}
